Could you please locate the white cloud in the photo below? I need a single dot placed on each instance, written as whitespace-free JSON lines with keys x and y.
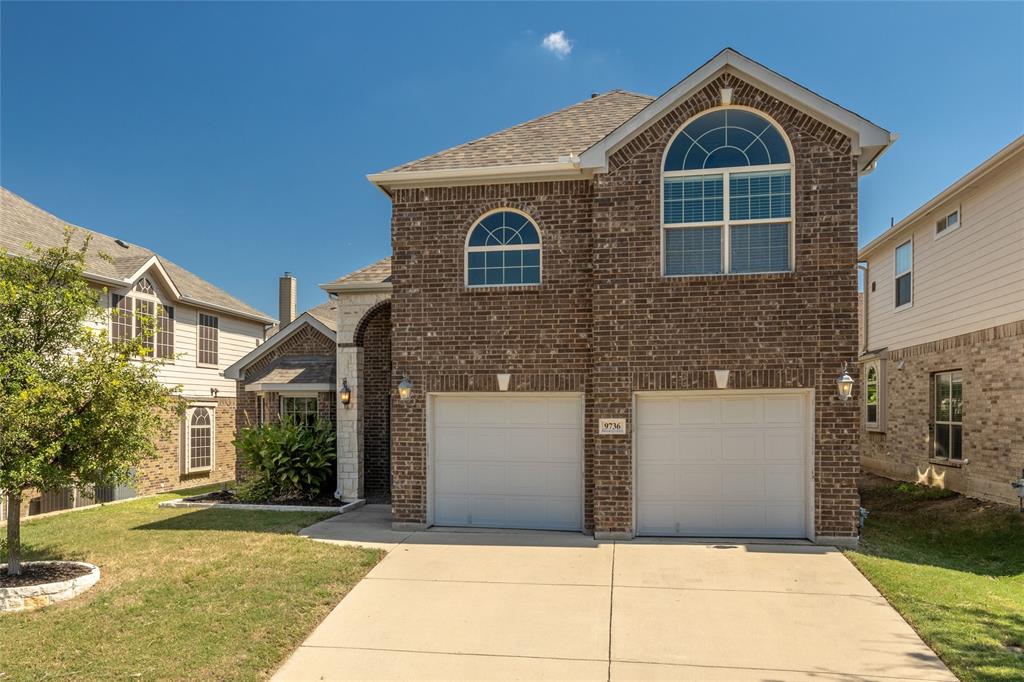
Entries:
{"x":557,"y":44}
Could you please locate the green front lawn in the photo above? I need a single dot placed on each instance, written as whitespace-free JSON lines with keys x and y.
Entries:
{"x":184,"y":594}
{"x":954,"y":568}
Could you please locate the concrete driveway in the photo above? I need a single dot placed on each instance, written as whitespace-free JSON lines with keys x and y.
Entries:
{"x":447,"y":605}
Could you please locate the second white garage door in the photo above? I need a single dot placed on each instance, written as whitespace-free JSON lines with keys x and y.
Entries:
{"x":507,"y":461}
{"x":721,"y":465}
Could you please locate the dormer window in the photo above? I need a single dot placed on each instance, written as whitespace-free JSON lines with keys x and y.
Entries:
{"x":130,"y":313}
{"x":727,"y":197}
{"x":503,"y":249}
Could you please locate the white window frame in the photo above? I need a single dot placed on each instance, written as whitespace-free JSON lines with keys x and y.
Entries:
{"x":934,"y":421}
{"x":135,"y":297}
{"x":878,"y":365}
{"x":186,"y":440}
{"x":896,"y":274}
{"x":198,"y":328}
{"x":298,"y":394}
{"x":944,"y":220}
{"x":261,"y":409}
{"x":467,"y":249}
{"x":726,"y":223}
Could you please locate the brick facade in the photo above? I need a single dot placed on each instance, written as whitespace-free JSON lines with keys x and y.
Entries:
{"x":993,"y":421}
{"x":606,"y":323}
{"x":374,"y":335}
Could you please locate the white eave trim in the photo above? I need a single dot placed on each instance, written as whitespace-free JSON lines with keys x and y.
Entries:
{"x":289,"y":388}
{"x":972,"y":177}
{"x":154,"y":263}
{"x":234,"y":371}
{"x":868,"y":139}
{"x":558,"y":170}
{"x":357,"y":287}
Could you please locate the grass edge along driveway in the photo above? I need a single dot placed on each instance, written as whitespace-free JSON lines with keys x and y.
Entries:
{"x":184,"y":594}
{"x":954,"y":568}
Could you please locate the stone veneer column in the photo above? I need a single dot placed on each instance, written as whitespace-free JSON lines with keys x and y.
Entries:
{"x":350,"y":425}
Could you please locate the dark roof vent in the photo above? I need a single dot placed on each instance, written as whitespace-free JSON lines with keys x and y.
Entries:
{"x":593,"y":95}
{"x":121,"y":243}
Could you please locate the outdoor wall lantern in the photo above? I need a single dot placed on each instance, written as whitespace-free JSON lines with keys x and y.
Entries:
{"x":844,"y":384}
{"x":345,"y":393}
{"x":404,"y":388}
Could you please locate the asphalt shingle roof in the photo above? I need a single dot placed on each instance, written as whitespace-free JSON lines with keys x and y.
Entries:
{"x":22,"y":222}
{"x":298,"y":369}
{"x":571,"y":130}
{"x":375,"y":273}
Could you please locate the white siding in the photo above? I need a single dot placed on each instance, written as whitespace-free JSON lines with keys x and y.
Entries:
{"x":236,"y":337}
{"x":969,"y":279}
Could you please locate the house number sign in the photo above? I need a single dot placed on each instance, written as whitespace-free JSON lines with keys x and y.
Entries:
{"x":611,"y":427}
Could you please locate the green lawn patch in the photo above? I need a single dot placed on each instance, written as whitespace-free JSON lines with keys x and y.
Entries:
{"x":954,"y":568}
{"x":205,"y":594}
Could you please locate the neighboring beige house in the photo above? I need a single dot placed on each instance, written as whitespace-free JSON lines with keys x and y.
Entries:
{"x":202,"y":331}
{"x":943,"y":337}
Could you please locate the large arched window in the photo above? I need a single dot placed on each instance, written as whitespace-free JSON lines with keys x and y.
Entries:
{"x":728,"y":199}
{"x":503,"y":248}
{"x":200,"y":441}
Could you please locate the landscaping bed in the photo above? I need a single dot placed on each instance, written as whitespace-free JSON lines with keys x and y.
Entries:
{"x":229,"y":497}
{"x":186,"y":593}
{"x":39,"y":573}
{"x":954,"y":568}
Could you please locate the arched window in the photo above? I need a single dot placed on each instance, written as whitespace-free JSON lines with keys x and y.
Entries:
{"x":728,"y":200}
{"x":502,"y":249}
{"x":200,"y":440}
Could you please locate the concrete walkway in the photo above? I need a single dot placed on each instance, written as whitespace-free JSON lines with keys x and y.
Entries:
{"x":458,"y":605}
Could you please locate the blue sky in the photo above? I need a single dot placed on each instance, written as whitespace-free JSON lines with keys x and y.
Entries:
{"x":234,"y":138}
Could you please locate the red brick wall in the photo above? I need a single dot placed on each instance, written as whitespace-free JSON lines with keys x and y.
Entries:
{"x":375,"y":338}
{"x":606,"y":322}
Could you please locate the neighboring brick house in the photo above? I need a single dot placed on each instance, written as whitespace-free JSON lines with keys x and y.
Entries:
{"x":943,"y":361}
{"x":202,"y":330}
{"x":561,"y":294}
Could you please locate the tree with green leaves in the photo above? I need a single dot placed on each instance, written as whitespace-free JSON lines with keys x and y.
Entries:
{"x":76,"y":409}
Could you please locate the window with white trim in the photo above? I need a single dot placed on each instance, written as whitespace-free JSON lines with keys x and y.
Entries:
{"x":903,"y":259}
{"x":872,"y":393}
{"x":301,"y":410}
{"x":503,"y":249}
{"x":140,"y":314}
{"x":727,"y":203}
{"x":164,"y":331}
{"x":947,"y":223}
{"x":948,"y":415}
{"x":208,"y":339}
{"x":199,"y":439}
{"x":261,"y":410}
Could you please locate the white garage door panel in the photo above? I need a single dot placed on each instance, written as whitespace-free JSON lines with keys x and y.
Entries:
{"x":508,"y":461}
{"x":722,"y":465}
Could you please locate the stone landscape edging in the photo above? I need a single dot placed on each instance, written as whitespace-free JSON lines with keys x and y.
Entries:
{"x":30,"y":597}
{"x":182,"y":503}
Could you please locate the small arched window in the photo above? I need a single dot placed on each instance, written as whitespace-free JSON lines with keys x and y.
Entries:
{"x":503,"y":249}
{"x":200,"y":440}
{"x":872,"y":395}
{"x":728,"y":200}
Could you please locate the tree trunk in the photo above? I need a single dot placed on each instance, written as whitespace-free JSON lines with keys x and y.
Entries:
{"x":14,"y":533}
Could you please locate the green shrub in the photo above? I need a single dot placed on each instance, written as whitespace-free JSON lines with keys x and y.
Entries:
{"x":286,"y":460}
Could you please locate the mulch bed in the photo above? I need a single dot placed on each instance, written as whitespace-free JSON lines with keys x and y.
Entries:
{"x":228,"y":497}
{"x":40,"y":574}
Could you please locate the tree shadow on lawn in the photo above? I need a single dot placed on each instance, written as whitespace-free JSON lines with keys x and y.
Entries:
{"x":946,"y":531}
{"x":245,"y":521}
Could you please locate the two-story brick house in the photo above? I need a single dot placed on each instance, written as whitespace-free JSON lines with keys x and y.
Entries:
{"x":562,"y":293}
{"x":201,"y":331}
{"x":943,"y":337}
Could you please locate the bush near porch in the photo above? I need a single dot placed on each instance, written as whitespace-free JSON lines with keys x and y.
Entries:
{"x":287,"y":461}
{"x":184,"y":594}
{"x":954,"y":568}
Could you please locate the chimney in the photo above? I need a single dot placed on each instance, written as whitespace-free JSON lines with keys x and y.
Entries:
{"x":286,"y":299}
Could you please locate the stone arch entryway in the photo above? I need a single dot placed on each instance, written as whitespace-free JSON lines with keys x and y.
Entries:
{"x":373,"y":336}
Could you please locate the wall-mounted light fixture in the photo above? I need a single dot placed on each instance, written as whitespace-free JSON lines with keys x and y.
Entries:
{"x":721,"y":378}
{"x":844,"y":384}
{"x":345,"y":393}
{"x":214,"y":391}
{"x":404,"y":388}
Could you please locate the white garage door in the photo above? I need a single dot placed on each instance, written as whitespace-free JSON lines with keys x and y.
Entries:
{"x":505,"y":461}
{"x":722,"y":465}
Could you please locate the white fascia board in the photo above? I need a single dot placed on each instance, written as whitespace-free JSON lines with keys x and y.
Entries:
{"x":865,"y":135}
{"x":155,"y":264}
{"x":476,"y":176}
{"x":234,"y":371}
{"x":357,"y":287}
{"x":972,"y":177}
{"x":289,"y":388}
